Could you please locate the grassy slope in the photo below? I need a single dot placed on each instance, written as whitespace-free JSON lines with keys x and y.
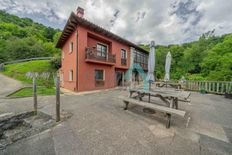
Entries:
{"x":29,"y":92}
{"x":19,"y":71}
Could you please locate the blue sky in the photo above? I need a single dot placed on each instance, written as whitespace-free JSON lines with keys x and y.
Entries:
{"x":165,"y":21}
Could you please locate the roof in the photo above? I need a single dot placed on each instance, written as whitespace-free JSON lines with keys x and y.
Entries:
{"x":74,"y":21}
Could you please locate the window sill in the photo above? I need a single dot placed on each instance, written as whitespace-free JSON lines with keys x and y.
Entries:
{"x":99,"y":83}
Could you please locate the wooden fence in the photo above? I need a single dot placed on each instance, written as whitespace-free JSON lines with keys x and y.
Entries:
{"x":217,"y":87}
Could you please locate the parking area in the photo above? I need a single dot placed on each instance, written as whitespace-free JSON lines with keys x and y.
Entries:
{"x":99,"y":125}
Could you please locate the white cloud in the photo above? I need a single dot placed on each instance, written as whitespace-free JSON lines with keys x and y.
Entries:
{"x":166,"y":21}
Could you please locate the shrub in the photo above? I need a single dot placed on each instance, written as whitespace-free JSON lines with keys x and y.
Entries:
{"x":198,"y":77}
{"x":56,"y":62}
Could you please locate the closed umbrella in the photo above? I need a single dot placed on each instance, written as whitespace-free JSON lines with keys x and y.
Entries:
{"x":167,"y":67}
{"x":151,"y":65}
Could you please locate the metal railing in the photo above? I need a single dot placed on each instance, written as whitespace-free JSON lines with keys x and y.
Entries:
{"x":92,"y":53}
{"x":217,"y":87}
{"x":123,"y":62}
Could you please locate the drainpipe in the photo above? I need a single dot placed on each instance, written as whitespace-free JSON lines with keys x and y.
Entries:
{"x":77,"y":66}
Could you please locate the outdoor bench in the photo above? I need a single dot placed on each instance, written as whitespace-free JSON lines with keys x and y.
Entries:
{"x":168,"y":110}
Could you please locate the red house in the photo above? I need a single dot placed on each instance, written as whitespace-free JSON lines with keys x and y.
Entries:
{"x":94,"y":58}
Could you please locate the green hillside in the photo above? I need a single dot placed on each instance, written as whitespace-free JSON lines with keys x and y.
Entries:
{"x":22,"y":38}
{"x":209,"y":58}
{"x":22,"y":71}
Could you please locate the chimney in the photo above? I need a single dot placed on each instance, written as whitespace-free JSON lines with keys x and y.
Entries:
{"x":80,"y":12}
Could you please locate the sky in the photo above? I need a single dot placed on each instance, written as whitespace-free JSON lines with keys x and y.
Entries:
{"x":164,"y":21}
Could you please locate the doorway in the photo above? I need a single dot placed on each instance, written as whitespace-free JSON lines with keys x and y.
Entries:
{"x":119,"y":76}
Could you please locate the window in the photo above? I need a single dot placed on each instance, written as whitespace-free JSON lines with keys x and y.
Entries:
{"x":101,"y":50}
{"x":71,"y":75}
{"x":141,"y":58}
{"x":71,"y":47}
{"x":123,"y":54}
{"x":99,"y":75}
{"x":62,"y":54}
{"x":123,"y":57}
{"x":61,"y":78}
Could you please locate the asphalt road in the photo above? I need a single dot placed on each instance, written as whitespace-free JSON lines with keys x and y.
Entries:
{"x":8,"y":85}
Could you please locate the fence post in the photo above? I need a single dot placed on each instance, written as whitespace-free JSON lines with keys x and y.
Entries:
{"x":35,"y":95}
{"x":185,"y":84}
{"x":57,"y":98}
{"x":222,"y":88}
{"x":205,"y":85}
{"x":227,"y":87}
{"x":210,"y":86}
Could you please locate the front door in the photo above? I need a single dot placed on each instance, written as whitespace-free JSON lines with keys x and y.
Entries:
{"x":118,"y":78}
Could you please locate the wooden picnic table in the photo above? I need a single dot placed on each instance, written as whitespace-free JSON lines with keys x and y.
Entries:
{"x":181,"y":95}
{"x":165,"y":84}
{"x":169,"y":97}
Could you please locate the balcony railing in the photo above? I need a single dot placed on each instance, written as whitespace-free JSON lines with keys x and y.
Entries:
{"x":123,"y":62}
{"x":92,"y":54}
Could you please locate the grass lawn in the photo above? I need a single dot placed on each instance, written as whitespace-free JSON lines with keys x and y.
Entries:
{"x":18,"y":71}
{"x":41,"y":91}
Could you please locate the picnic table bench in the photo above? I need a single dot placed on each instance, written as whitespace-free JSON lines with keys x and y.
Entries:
{"x":167,"y":110}
{"x":170,"y":98}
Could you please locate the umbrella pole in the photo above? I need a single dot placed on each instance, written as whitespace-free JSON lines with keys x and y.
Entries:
{"x":149,"y":92}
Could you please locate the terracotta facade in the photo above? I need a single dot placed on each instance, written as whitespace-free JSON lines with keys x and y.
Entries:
{"x":81,"y":66}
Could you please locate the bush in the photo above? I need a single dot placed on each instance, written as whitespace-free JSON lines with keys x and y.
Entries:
{"x":197,"y":77}
{"x":56,"y":62}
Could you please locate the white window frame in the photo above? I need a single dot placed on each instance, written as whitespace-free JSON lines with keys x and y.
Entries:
{"x":62,"y":54}
{"x":71,"y":46}
{"x":62,"y":78}
{"x":71,"y":75}
{"x":107,"y":48}
{"x":125,"y":51}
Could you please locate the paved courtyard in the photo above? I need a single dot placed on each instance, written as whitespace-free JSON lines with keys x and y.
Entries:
{"x":99,"y":125}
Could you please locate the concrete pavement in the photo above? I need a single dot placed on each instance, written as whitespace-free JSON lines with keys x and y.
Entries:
{"x":99,"y":125}
{"x":8,"y":85}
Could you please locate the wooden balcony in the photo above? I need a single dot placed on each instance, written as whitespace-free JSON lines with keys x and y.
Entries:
{"x":94,"y":56}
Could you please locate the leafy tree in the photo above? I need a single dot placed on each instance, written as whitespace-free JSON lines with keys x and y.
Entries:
{"x":22,"y":38}
{"x":209,"y":58}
